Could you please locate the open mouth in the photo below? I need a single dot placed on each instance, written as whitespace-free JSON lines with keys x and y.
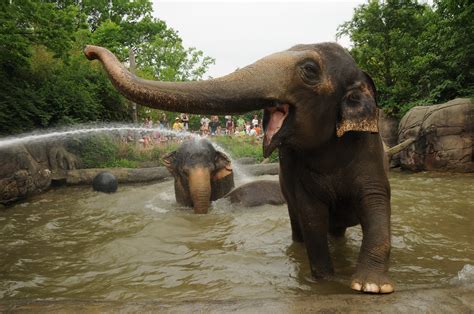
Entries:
{"x":274,"y":118}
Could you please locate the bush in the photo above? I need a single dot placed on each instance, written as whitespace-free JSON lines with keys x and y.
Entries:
{"x":107,"y":151}
{"x":247,"y":146}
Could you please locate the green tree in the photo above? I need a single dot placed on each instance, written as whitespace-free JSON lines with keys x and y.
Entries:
{"x":44,"y":78}
{"x":416,"y":53}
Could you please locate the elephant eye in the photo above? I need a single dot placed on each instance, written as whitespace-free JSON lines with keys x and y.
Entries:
{"x":310,"y":72}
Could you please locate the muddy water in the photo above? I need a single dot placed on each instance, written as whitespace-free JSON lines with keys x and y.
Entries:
{"x":73,"y":243}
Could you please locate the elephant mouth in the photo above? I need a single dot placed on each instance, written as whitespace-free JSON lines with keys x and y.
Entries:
{"x":274,"y":117}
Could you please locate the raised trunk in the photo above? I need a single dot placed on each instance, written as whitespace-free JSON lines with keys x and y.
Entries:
{"x":200,"y":189}
{"x":239,"y":92}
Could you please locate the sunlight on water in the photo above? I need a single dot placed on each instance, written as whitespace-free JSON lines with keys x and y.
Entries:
{"x":137,"y":244}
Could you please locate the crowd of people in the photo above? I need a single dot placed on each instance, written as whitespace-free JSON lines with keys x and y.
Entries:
{"x":238,"y":127}
{"x":208,"y":127}
{"x":212,"y":126}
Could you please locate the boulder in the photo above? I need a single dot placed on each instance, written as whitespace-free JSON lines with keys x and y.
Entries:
{"x":444,"y":136}
{"x":105,"y":182}
{"x":21,"y":174}
{"x":26,"y":169}
{"x":388,"y":129}
{"x":257,"y":193}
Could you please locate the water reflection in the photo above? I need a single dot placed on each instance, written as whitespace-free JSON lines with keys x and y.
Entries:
{"x":137,"y":244}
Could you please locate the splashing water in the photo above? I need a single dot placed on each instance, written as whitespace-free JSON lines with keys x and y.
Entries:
{"x":83,"y":130}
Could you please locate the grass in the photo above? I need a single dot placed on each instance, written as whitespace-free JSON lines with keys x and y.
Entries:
{"x":245,"y":146}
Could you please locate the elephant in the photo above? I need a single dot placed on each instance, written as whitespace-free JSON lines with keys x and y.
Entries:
{"x":201,"y":174}
{"x":257,"y":193}
{"x":320,"y":110}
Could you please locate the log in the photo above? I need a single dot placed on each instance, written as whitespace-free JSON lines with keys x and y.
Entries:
{"x":137,"y":175}
{"x":398,"y":148}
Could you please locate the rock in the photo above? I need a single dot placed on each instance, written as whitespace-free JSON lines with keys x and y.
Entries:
{"x":25,"y":169}
{"x":105,"y":182}
{"x":22,"y":174}
{"x":262,"y":169}
{"x":257,"y":193}
{"x":388,"y":129}
{"x":444,"y":137}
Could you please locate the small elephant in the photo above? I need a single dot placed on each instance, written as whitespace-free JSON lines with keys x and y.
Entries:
{"x":320,"y":111}
{"x":201,"y":174}
{"x":257,"y":193}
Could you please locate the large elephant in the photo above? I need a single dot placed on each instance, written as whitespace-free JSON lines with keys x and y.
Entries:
{"x":320,"y":110}
{"x":201,"y":174}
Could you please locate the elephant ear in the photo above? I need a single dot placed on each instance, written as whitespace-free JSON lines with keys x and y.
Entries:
{"x":223,"y":166}
{"x":358,"y":111}
{"x":169,"y":162}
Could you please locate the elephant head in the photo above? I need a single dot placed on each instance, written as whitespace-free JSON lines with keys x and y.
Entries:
{"x":201,"y":174}
{"x":311,"y":94}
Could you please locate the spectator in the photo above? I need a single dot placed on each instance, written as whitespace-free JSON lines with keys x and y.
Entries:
{"x":255,"y":121}
{"x":252,"y":131}
{"x":258,"y":129}
{"x":247,"y":127}
{"x":178,"y":125}
{"x":164,"y":121}
{"x":185,"y":120}
{"x":240,"y":122}
{"x":149,"y":122}
{"x":214,"y":124}
{"x":229,"y":125}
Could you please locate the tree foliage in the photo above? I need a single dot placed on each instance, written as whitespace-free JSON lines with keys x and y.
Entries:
{"x":416,"y":53}
{"x":46,"y":81}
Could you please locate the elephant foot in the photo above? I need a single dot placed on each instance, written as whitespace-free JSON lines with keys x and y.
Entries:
{"x":372,"y":282}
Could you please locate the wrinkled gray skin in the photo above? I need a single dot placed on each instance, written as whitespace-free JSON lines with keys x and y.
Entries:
{"x":201,"y":174}
{"x":320,"y":110}
{"x":257,"y":193}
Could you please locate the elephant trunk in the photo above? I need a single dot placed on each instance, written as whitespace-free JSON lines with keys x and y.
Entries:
{"x":250,"y":88}
{"x":200,"y":189}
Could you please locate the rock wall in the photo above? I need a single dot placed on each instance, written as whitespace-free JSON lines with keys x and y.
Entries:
{"x":388,"y":129}
{"x":444,"y":137}
{"x":27,"y":169}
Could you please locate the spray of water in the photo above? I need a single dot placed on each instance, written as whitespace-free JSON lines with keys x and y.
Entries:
{"x":80,"y":131}
{"x":84,"y":130}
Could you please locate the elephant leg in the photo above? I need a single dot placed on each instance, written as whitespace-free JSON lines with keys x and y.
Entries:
{"x":337,"y":232}
{"x":314,"y":220}
{"x":372,"y":266}
{"x":296,"y":233}
{"x":287,"y":184}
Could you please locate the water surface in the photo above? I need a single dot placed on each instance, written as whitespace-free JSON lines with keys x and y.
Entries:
{"x":137,"y":244}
